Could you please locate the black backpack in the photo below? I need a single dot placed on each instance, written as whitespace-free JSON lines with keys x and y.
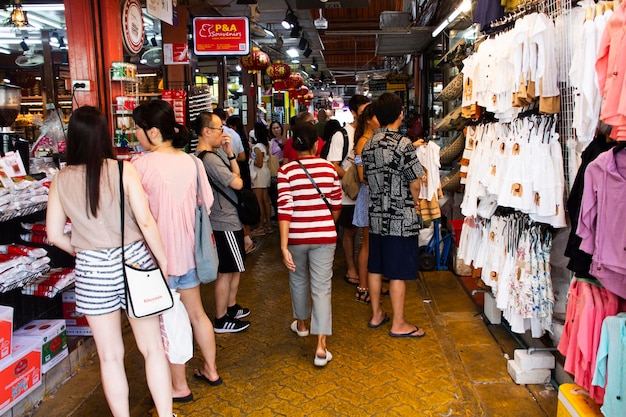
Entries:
{"x":326,"y":147}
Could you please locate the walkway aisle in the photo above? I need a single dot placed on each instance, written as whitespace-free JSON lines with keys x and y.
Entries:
{"x":458,"y":369}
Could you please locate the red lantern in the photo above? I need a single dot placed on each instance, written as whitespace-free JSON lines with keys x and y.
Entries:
{"x":309,"y":97}
{"x":255,"y":61}
{"x":278,"y":71}
{"x":294,"y":82}
{"x":280,"y":85}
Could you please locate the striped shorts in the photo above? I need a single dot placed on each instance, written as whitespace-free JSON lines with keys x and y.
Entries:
{"x":100,"y":279}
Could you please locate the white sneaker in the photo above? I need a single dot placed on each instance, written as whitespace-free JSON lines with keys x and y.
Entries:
{"x":294,"y":328}
{"x":322,"y":361}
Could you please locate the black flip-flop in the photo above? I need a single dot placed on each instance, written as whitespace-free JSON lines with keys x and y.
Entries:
{"x":376,"y":326}
{"x":412,"y":333}
{"x":198,"y":375}
{"x":185,"y":399}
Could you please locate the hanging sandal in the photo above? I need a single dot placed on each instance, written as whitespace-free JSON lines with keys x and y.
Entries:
{"x":362,"y":295}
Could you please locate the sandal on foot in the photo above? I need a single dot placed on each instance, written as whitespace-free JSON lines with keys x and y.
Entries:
{"x":362,"y":295}
{"x":351,"y":280}
{"x":376,"y":326}
{"x":269,"y":230}
{"x":385,"y":293}
{"x":257,"y":232}
{"x":200,"y":376}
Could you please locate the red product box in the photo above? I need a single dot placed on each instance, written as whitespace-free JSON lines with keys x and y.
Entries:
{"x":6,"y":331}
{"x":21,"y":372}
{"x":53,"y":340}
{"x":76,"y":322}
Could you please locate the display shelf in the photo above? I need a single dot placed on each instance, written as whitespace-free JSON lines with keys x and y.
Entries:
{"x":123,"y":76}
{"x":6,"y":287}
{"x":6,"y":216}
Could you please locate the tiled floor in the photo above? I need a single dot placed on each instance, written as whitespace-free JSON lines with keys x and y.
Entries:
{"x":458,"y":369}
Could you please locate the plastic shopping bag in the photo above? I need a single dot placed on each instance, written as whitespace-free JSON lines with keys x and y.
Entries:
{"x":176,"y":332}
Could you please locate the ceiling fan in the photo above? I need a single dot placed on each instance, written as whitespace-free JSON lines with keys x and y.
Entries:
{"x":153,"y":57}
{"x":29,"y":60}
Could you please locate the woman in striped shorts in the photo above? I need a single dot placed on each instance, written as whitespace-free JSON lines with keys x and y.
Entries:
{"x":87,"y":192}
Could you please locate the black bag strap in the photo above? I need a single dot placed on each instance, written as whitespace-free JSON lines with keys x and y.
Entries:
{"x":322,"y":196}
{"x":120,"y":165}
{"x":346,"y":142}
{"x":219,"y":190}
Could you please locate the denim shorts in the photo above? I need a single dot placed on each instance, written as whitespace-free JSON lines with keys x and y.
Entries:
{"x":184,"y":282}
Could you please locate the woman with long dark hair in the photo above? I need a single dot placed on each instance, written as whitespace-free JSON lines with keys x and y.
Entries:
{"x":87,"y":191}
{"x":170,"y":178}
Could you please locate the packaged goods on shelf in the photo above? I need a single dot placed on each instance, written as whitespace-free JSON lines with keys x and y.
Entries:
{"x":20,"y":373}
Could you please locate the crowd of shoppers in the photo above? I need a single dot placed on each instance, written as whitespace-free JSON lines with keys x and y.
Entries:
{"x":311,"y":209}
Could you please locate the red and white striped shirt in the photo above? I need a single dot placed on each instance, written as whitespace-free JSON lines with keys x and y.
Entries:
{"x":299,"y":202}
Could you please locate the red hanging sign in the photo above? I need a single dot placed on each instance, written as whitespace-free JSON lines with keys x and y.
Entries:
{"x":221,"y":36}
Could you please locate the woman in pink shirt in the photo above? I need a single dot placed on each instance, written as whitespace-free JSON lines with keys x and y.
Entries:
{"x":169,"y":177}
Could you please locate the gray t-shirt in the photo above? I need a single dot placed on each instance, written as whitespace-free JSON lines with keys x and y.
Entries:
{"x":224,"y":215}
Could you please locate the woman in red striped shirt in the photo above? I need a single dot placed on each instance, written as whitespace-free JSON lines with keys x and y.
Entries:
{"x":309,"y":203}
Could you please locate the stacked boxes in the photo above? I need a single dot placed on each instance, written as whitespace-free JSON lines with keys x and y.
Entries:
{"x":6,"y":331}
{"x":20,"y":373}
{"x":533,"y":368}
{"x":76,"y":323}
{"x":53,"y":340}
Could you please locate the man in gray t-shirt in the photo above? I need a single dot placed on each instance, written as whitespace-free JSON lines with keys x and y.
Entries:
{"x":220,"y":163}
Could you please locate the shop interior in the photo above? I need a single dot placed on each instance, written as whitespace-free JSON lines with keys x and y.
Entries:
{"x":415,"y":48}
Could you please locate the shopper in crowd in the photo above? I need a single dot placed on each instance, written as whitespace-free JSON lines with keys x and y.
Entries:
{"x":278,"y":140}
{"x":235,"y":123}
{"x":308,"y":236}
{"x":322,"y":117}
{"x":393,"y":172}
{"x":276,"y":148}
{"x":240,"y":145}
{"x":260,"y":175}
{"x":289,"y":153}
{"x":342,"y":161}
{"x":169,"y":177}
{"x":366,"y":125}
{"x":330,"y":128}
{"x":215,"y":151}
{"x":87,"y":192}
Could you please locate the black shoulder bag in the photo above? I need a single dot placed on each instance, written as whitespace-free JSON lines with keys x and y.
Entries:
{"x":322,"y":196}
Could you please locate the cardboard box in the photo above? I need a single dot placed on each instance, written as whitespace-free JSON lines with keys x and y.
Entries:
{"x":76,"y":323}
{"x":53,"y":338}
{"x":21,"y":372}
{"x":6,"y":331}
{"x":574,"y":401}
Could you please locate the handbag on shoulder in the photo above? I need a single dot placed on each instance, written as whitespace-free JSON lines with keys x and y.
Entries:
{"x":205,"y":251}
{"x":147,"y":293}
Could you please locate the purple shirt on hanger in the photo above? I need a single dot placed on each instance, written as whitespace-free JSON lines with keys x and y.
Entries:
{"x":601,"y":224}
{"x":487,"y":11}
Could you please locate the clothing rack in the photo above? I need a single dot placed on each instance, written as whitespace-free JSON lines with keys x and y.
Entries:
{"x":509,"y":19}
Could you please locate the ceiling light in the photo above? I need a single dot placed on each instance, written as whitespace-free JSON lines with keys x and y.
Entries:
{"x":321,"y":23}
{"x":290,"y":20}
{"x":18,"y":16}
{"x":465,"y":6}
{"x":307,"y":52}
{"x":293,"y":52}
{"x":238,"y":68}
